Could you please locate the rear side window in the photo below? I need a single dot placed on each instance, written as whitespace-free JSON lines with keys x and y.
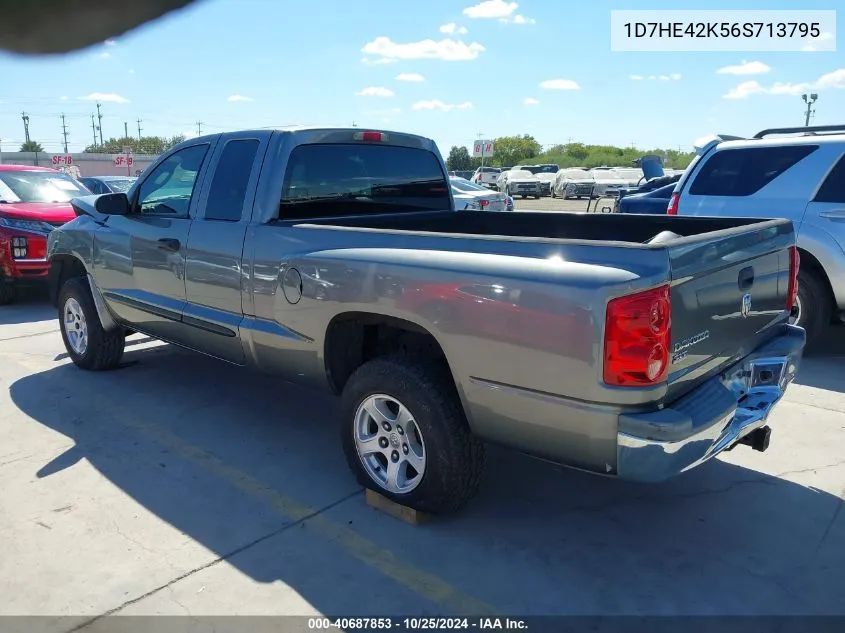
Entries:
{"x":339,"y":179}
{"x":228,"y":189}
{"x":833,"y":188}
{"x":743,"y":172}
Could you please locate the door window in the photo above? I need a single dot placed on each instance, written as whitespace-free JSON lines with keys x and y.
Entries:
{"x":833,"y":188}
{"x":231,"y":177}
{"x":168,"y":189}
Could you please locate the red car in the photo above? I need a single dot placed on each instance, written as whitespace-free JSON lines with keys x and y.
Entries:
{"x":33,"y":201}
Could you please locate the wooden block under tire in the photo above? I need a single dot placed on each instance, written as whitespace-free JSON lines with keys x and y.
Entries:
{"x":397,"y":511}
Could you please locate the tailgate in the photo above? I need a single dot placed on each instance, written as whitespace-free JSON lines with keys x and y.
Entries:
{"x":729,"y":288}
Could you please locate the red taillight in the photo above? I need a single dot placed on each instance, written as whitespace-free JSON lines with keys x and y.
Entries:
{"x":794,"y":266}
{"x":484,"y":203}
{"x":637,"y":337}
{"x":672,"y":209}
{"x":370,"y":137}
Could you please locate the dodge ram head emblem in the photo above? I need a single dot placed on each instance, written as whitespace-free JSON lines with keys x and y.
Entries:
{"x":746,"y":305}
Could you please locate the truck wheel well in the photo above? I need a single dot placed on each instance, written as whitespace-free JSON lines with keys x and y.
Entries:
{"x":62,"y":268}
{"x":808,"y":262}
{"x":352,"y":339}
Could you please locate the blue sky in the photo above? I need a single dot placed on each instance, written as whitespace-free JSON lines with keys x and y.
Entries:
{"x":437,"y":68}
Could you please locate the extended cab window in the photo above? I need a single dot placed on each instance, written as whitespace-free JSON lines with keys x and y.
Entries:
{"x":744,"y":171}
{"x":168,"y":189}
{"x":352,"y":179}
{"x":228,"y":188}
{"x":833,"y":188}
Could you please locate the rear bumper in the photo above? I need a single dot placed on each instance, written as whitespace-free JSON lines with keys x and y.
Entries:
{"x":658,"y":445}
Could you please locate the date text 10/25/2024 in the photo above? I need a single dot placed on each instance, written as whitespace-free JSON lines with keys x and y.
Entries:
{"x":417,"y":624}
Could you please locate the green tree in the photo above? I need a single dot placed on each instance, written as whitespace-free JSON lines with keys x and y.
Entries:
{"x":32,"y":146}
{"x":144,"y":145}
{"x":512,"y":150}
{"x":459,"y":159}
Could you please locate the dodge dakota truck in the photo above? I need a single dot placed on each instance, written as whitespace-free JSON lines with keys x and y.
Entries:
{"x":636,"y":347}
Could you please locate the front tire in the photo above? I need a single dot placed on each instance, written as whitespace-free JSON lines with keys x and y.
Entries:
{"x":8,"y":293}
{"x":88,"y":345}
{"x":405,"y":435}
{"x":815,"y":304}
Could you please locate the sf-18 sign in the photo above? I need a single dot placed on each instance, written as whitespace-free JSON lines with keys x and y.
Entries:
{"x":120,"y":161}
{"x":62,"y":159}
{"x":482,"y":148}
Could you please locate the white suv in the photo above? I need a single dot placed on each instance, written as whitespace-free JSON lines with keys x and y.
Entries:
{"x":801,"y":178}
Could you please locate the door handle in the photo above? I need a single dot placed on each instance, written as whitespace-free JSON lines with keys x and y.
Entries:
{"x":169,"y":244}
{"x":833,"y":214}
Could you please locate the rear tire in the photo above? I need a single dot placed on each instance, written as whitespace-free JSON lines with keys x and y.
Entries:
{"x":815,"y":302}
{"x":88,"y":345}
{"x":418,"y":393}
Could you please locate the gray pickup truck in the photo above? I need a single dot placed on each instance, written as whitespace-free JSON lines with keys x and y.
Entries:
{"x":631,"y":346}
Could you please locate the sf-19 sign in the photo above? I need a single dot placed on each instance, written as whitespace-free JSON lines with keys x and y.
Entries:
{"x":482,"y":148}
{"x":124,"y":161}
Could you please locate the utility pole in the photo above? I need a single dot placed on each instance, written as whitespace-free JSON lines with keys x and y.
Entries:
{"x":64,"y":132}
{"x":199,"y":128}
{"x":94,"y":130}
{"x":100,"y":123}
{"x":139,"y":129}
{"x":809,"y":101}
{"x":125,"y":130}
{"x":25,"y":118}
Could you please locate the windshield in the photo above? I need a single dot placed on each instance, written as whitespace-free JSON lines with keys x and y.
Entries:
{"x":329,"y":180}
{"x":605,"y":174}
{"x":576,"y":174}
{"x":547,"y":169}
{"x":489,"y":170}
{"x":120,"y":186}
{"x":521,"y":173}
{"x":39,"y":186}
{"x":465,"y":185}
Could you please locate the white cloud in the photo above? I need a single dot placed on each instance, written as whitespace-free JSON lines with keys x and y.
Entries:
{"x":835,"y":79}
{"x":812,"y":42}
{"x":831,"y":80}
{"x":375,"y":91}
{"x":436,"y":104}
{"x":669,"y":77}
{"x":491,"y":9}
{"x":236,"y":98}
{"x":744,"y":90}
{"x":409,"y":77}
{"x":105,"y":97}
{"x":445,"y":49}
{"x":530,"y":101}
{"x":63,"y":98}
{"x":519,"y":19}
{"x":451,"y":28}
{"x":131,"y":71}
{"x":110,"y":43}
{"x":745,"y":68}
{"x":104,"y":55}
{"x":560,"y":84}
{"x":378,"y":62}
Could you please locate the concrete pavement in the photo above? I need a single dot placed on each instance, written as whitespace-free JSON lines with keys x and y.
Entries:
{"x":180,"y":485}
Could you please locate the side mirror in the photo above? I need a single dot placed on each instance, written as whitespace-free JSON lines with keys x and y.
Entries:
{"x":112,"y":204}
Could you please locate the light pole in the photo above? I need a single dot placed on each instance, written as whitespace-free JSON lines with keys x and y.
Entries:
{"x":809,"y":101}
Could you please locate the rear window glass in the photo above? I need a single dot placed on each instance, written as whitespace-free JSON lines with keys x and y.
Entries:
{"x":833,"y":188}
{"x":743,"y":172}
{"x":338,"y":179}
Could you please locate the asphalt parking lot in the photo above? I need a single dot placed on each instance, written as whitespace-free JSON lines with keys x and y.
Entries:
{"x":180,"y":485}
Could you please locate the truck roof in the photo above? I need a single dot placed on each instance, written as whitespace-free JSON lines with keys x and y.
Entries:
{"x":314,"y":133}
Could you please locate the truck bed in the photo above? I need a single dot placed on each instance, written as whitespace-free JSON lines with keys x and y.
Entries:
{"x":628,"y":228}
